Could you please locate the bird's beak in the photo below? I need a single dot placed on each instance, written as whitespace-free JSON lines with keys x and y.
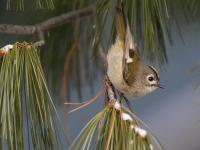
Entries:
{"x":159,"y":86}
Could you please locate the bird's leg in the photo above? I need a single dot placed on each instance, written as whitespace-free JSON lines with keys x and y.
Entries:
{"x":105,"y":85}
{"x":126,"y":100}
{"x":110,"y":94}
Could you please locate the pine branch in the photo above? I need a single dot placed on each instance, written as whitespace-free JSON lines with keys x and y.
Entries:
{"x":48,"y":24}
{"x":29,"y":119}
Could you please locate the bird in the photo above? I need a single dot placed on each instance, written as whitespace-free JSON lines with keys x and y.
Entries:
{"x":125,"y":68}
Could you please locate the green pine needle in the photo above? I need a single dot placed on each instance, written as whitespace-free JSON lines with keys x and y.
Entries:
{"x":28,"y":118}
{"x":113,"y":129}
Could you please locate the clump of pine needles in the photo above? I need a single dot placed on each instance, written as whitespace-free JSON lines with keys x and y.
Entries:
{"x":28,"y":119}
{"x":115,"y":127}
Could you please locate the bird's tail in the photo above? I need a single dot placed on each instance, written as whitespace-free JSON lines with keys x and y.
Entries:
{"x":121,"y":22}
{"x":122,"y":25}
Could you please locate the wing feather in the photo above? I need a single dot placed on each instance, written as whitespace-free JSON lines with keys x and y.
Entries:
{"x":131,"y":57}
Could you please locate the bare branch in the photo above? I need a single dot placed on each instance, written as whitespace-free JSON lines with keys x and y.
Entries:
{"x":39,"y":32}
{"x":46,"y":25}
{"x":17,"y":29}
{"x":64,"y":18}
{"x":39,"y":43}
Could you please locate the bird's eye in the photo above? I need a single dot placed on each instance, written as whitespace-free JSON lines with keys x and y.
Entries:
{"x":151,"y":78}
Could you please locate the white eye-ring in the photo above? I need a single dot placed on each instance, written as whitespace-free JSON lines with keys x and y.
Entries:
{"x":151,"y":78}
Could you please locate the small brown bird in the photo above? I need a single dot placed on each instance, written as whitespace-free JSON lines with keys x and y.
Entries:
{"x":126,"y":70}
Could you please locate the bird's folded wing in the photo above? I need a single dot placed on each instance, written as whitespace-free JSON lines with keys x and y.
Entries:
{"x":131,"y":57}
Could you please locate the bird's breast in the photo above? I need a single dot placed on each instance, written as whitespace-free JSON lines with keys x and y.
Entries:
{"x":114,"y":71}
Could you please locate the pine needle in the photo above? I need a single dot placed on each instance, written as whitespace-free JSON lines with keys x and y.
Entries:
{"x":27,"y":113}
{"x":118,"y":129}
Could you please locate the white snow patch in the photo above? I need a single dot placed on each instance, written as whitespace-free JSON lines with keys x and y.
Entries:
{"x":117,"y":105}
{"x":126,"y":116}
{"x":6,"y":48}
{"x":141,"y":132}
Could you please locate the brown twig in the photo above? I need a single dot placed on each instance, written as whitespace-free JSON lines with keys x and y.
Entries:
{"x":62,"y":19}
{"x":68,"y":60}
{"x":17,"y":29}
{"x":65,"y":79}
{"x":64,"y":87}
{"x":39,"y":43}
{"x":46,"y":25}
{"x":86,"y":103}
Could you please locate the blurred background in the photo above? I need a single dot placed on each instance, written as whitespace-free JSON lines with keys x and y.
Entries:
{"x":73,"y":60}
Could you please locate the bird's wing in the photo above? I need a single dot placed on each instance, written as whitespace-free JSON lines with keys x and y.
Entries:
{"x":131,"y":55}
{"x":130,"y":70}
